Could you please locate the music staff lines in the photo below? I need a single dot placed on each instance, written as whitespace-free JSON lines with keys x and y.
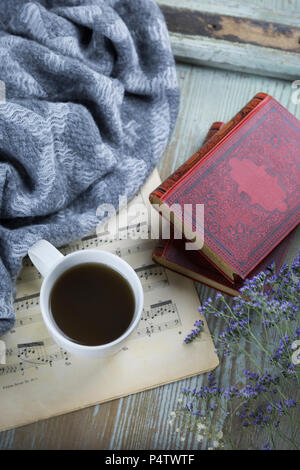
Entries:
{"x":157,"y":328}
{"x":27,"y":302}
{"x":27,"y":310}
{"x":158,"y":317}
{"x":29,"y":273}
{"x":28,"y":320}
{"x":97,"y":239}
{"x":152,"y":276}
{"x":33,"y":355}
{"x":30,"y":347}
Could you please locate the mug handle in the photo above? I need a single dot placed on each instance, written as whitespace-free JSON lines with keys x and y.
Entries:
{"x":44,"y":256}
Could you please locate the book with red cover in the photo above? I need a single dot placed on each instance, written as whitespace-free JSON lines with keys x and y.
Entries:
{"x":247,"y":177}
{"x":172,"y":255}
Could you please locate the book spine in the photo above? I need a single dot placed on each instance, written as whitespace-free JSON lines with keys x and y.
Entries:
{"x":214,"y":128}
{"x":162,"y":246}
{"x":160,"y":192}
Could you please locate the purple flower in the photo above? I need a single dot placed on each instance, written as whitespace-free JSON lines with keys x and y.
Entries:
{"x":195,"y":333}
{"x":266,"y":446}
{"x":264,"y":321}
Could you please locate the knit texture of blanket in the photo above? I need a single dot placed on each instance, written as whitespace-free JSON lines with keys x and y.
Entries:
{"x":91,"y":100}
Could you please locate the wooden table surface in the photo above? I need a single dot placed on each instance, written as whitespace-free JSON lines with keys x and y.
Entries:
{"x":141,"y":421}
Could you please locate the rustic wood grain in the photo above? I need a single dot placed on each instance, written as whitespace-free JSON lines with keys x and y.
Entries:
{"x":140,"y":421}
{"x":275,"y":11}
{"x":228,"y":39}
{"x":234,"y":29}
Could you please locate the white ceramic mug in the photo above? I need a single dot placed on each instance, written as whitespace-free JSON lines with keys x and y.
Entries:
{"x":52,"y":264}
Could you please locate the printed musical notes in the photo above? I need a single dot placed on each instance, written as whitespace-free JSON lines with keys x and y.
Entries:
{"x":152,"y":276}
{"x":30,"y":348}
{"x":27,"y":310}
{"x":27,"y":302}
{"x":40,"y":379}
{"x":32,"y":355}
{"x":27,"y":320}
{"x":124,"y":244}
{"x":157,"y":318}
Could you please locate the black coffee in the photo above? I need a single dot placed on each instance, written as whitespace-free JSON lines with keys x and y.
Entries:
{"x":92,"y":304}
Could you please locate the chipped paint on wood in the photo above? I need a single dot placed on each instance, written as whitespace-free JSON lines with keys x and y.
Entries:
{"x":233,"y":29}
{"x":237,"y":57}
{"x":275,"y":11}
{"x":233,"y":42}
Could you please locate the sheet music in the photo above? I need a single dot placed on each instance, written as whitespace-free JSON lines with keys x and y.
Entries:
{"x":40,"y":379}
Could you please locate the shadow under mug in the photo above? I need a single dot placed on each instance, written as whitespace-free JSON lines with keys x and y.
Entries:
{"x":52,"y":264}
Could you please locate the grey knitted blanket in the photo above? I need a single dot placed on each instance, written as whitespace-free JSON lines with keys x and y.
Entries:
{"x":91,"y":100}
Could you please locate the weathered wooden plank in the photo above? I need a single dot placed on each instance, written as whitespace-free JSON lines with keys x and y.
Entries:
{"x":233,"y":43}
{"x":273,"y":11}
{"x":241,"y":58}
{"x":232,"y":28}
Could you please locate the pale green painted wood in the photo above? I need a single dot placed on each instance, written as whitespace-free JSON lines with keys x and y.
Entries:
{"x":229,"y":55}
{"x":275,"y":11}
{"x":238,"y":57}
{"x":141,"y":421}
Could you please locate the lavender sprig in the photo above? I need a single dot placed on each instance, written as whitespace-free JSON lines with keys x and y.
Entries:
{"x":196,"y":332}
{"x":262,"y":322}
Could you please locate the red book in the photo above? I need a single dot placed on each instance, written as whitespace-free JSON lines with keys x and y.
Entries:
{"x":172,"y":255}
{"x":246,"y":176}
